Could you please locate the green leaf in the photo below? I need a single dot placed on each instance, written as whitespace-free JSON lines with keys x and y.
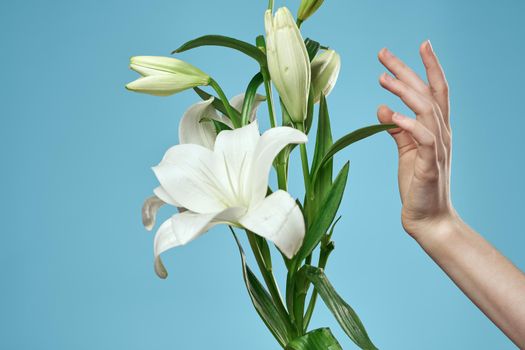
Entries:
{"x":249,"y":97}
{"x":323,"y":143}
{"x":344,"y":314}
{"x":312,"y":47}
{"x":319,"y":339}
{"x":224,"y":41}
{"x":309,"y":111}
{"x":348,"y":139}
{"x":278,"y":325}
{"x":217,"y":103}
{"x":321,"y":223}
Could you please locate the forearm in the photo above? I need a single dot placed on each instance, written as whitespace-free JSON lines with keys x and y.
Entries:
{"x":490,"y":280}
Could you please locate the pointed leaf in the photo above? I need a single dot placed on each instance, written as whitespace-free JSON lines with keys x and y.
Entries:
{"x":322,"y":145}
{"x":262,"y":301}
{"x":350,"y":138}
{"x":309,"y":111}
{"x":224,"y":41}
{"x":217,"y":103}
{"x":319,"y":339}
{"x":312,"y":47}
{"x":321,"y":223}
{"x":343,"y":313}
{"x":249,"y":97}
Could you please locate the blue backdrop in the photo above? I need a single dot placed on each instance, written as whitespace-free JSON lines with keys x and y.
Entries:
{"x":76,"y":151}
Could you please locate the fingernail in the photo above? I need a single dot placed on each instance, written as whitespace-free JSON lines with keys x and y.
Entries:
{"x":429,"y":46}
{"x":396,"y":116}
{"x":387,"y":53}
{"x":387,"y":77}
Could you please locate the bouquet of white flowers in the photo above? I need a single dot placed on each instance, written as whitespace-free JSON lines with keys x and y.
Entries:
{"x":219,"y":173}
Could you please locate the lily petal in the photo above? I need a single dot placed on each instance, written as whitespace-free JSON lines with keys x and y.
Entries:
{"x":164,"y":84}
{"x":165,"y":197}
{"x":238,"y":101}
{"x":269,"y":145}
{"x":196,"y":125}
{"x":168,"y":65}
{"x":146,"y":71}
{"x":279,"y":219}
{"x":149,"y":211}
{"x":191,"y":175}
{"x":236,"y":149}
{"x":184,"y":227}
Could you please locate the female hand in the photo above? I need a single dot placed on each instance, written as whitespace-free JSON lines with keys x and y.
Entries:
{"x":424,"y":143}
{"x":490,"y":280}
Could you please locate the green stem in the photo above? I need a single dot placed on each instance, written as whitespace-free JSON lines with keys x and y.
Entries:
{"x":323,"y":259}
{"x":282,"y":182}
{"x":267,"y":272}
{"x":282,"y":162}
{"x":233,"y":117}
{"x":270,"y":5}
{"x":290,"y":291}
{"x":304,"y":162}
{"x":269,"y":96}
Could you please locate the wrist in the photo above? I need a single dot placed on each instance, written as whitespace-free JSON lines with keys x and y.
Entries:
{"x":440,"y":232}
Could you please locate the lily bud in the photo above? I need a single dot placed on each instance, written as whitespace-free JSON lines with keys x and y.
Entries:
{"x":325,"y":70}
{"x":288,"y":62}
{"x":164,"y":76}
{"x":308,"y":8}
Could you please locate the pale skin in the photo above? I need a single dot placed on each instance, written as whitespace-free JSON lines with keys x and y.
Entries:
{"x":424,"y":145}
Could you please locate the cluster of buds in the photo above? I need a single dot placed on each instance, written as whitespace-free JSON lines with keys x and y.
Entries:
{"x":289,"y":64}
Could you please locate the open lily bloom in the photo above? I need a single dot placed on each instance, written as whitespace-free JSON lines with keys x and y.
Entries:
{"x":197,"y":127}
{"x":227,"y":184}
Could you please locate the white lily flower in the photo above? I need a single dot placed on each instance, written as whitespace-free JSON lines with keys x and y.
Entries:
{"x":308,"y":8}
{"x":288,"y":62}
{"x":325,"y":71}
{"x":196,"y":126}
{"x":227,"y":185}
{"x":164,"y":76}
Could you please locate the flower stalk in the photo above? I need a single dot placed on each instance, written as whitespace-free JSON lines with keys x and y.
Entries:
{"x":219,"y":171}
{"x":231,"y":114}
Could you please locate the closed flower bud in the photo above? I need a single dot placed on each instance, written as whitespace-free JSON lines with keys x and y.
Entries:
{"x":288,"y":62}
{"x":325,"y":70}
{"x":308,"y":8}
{"x":163,"y":76}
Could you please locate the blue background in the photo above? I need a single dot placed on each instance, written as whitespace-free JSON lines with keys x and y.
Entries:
{"x":76,"y":151}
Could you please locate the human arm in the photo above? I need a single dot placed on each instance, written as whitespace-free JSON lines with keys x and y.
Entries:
{"x":424,"y":144}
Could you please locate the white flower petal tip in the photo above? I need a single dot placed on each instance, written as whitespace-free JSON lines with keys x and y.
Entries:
{"x":288,"y":62}
{"x":164,"y":76}
{"x":149,"y":211}
{"x":160,"y":270}
{"x":279,"y":219}
{"x":196,"y":125}
{"x":325,"y":71}
{"x":184,"y":227}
